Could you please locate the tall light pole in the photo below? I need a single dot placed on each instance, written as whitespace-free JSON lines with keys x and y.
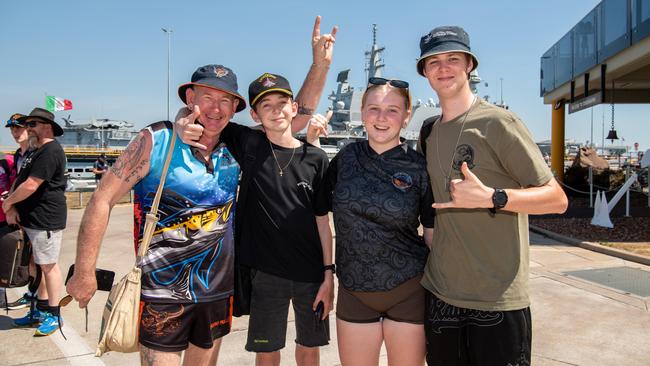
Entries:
{"x":501,"y":79}
{"x":169,"y":32}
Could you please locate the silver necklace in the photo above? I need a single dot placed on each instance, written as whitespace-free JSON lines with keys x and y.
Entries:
{"x":453,"y":156}
{"x":280,"y":168}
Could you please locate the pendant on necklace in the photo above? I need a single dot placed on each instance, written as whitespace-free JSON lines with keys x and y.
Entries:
{"x":280,"y":172}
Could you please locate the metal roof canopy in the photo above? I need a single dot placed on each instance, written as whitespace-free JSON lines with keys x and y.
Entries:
{"x":605,"y":58}
{"x":629,"y":71}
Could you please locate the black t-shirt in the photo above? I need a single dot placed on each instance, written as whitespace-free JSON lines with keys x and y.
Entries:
{"x":379,"y":201}
{"x":19,"y":158}
{"x":278,"y":229}
{"x":45,"y":209}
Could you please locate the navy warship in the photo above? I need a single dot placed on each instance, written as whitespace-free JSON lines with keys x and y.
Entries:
{"x":84,"y":142}
{"x":98,"y":134}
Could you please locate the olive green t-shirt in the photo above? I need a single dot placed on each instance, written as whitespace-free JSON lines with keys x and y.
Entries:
{"x":479,"y":260}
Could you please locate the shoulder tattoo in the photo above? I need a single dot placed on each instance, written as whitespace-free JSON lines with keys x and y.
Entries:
{"x":132,"y":160}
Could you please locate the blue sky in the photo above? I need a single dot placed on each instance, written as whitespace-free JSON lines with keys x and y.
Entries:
{"x":110,"y":57}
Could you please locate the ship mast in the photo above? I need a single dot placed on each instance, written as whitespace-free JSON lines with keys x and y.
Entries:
{"x":374,"y":63}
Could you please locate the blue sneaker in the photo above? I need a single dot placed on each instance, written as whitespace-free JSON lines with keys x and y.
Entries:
{"x":25,"y":321}
{"x":50,"y":324}
{"x":23,"y":302}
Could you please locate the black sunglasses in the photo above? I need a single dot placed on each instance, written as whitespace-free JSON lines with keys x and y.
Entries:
{"x":31,"y":123}
{"x":392,"y":82}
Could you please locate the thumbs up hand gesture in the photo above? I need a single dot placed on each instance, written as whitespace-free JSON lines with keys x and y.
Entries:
{"x":467,"y":193}
{"x":187,"y":129}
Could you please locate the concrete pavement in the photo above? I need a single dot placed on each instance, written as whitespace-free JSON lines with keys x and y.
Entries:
{"x":575,"y":321}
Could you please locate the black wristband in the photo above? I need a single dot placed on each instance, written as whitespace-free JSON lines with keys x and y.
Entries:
{"x":331,"y":267}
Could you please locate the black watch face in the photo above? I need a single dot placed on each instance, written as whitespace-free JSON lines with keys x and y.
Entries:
{"x":500,"y":198}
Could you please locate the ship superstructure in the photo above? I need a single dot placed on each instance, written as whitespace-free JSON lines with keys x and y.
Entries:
{"x":84,"y":142}
{"x":97,"y":134}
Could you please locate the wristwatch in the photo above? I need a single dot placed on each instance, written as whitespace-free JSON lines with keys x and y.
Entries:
{"x":331,"y":267}
{"x":499,"y":198}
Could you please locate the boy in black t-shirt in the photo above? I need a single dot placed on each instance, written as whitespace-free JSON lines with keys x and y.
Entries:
{"x":285,"y":235}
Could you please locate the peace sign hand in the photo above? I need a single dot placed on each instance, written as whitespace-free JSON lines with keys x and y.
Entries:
{"x":467,"y":193}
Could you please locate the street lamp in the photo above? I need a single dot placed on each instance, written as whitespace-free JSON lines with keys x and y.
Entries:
{"x":169,"y":32}
{"x":501,"y":79}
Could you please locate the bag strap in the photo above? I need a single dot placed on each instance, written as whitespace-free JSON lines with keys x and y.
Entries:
{"x":152,"y":216}
{"x":250,"y":165}
{"x":34,"y":282}
{"x":425,"y":131}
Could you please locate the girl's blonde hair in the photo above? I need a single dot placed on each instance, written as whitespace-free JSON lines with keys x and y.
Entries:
{"x":403,"y":92}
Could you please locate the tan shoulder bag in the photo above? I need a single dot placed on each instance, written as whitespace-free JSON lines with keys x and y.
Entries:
{"x":119,"y":328}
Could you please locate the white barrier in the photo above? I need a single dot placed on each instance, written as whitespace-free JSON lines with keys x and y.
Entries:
{"x":601,"y":212}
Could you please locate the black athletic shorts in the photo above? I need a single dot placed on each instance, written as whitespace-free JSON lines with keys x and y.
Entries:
{"x":462,"y":337}
{"x":267,"y":325}
{"x":171,"y":327}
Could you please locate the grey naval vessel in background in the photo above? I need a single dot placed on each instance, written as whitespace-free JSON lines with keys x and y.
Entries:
{"x":346,"y":126}
{"x":84,"y":142}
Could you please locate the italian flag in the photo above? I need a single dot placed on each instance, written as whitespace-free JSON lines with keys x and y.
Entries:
{"x":57,"y":104}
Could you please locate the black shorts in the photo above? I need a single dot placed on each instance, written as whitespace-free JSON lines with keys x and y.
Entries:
{"x":462,"y":337}
{"x":267,"y":325}
{"x":171,"y":327}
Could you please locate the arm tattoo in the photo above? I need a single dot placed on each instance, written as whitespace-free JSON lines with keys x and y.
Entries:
{"x":129,"y":161}
{"x":304,"y":110}
{"x":136,"y":173}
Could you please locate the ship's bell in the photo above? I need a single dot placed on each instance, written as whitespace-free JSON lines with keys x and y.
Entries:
{"x":612,"y":135}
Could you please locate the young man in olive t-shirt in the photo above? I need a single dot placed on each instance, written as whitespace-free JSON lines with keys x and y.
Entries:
{"x":487,"y":175}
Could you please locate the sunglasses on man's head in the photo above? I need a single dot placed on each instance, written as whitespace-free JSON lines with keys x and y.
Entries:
{"x":392,"y":82}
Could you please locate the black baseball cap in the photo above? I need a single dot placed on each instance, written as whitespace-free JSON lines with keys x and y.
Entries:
{"x":216,"y":77}
{"x":268,"y":83}
{"x":13,"y":120}
{"x":444,"y":40}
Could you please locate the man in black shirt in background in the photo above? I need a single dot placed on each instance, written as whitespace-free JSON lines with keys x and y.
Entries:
{"x":38,"y":204}
{"x":100,"y":167}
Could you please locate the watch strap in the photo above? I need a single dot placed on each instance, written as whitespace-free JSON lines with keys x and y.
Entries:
{"x":331,"y":267}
